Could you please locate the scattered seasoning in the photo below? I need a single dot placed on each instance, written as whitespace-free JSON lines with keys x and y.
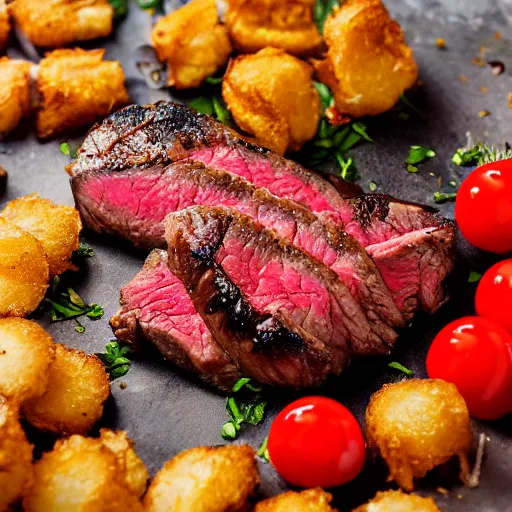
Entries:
{"x":372,"y":186}
{"x":484,"y":89}
{"x":497,"y":67}
{"x":497,"y":35}
{"x":123,"y":385}
{"x":474,"y":277}
{"x":483,"y":113}
{"x":484,"y":50}
{"x":442,"y":197}
{"x":432,"y":174}
{"x":459,"y":496}
{"x":115,"y":359}
{"x":412,"y":168}
{"x":463,"y":78}
{"x":443,"y":491}
{"x":510,"y":100}
{"x":418,"y":154}
{"x":263,"y":450}
{"x":477,"y":61}
{"x":439,"y":181}
{"x":402,"y":368}
{"x":441,"y":43}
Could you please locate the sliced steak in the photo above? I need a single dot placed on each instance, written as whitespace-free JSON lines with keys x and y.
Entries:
{"x":155,"y":306}
{"x":283,"y":317}
{"x":144,"y":136}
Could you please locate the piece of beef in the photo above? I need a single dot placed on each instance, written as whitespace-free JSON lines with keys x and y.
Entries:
{"x":133,"y":204}
{"x":155,"y":306}
{"x":283,"y":317}
{"x":144,"y":136}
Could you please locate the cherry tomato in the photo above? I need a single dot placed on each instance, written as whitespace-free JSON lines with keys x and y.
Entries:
{"x":475,"y":354}
{"x":316,"y":442}
{"x":483,"y":208}
{"x":494,"y":294}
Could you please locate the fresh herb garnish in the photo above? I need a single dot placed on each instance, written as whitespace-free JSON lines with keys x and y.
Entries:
{"x":246,"y":407}
{"x":214,"y":80}
{"x":263,"y":450}
{"x":474,"y":277}
{"x":64,"y":148}
{"x":418,"y":154}
{"x":79,"y":327}
{"x":115,"y":360}
{"x":480,"y":154}
{"x":412,"y":168}
{"x":402,"y":368}
{"x":150,"y":4}
{"x":348,"y":167}
{"x":84,"y":251}
{"x":120,"y":7}
{"x":213,"y":106}
{"x":322,"y":9}
{"x":372,"y":186}
{"x":442,"y":197}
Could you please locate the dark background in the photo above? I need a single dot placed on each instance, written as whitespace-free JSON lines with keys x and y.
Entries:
{"x":163,"y":409}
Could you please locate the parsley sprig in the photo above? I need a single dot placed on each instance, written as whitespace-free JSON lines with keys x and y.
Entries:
{"x":480,"y":154}
{"x":115,"y":360}
{"x":84,"y":251}
{"x":245,"y":406}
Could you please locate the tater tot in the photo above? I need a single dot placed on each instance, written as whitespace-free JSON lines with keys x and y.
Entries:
{"x":205,"y":479}
{"x":78,"y":386}
{"x":24,"y":275}
{"x":311,"y":500}
{"x":54,"y":23}
{"x":416,"y":425}
{"x":257,"y":24}
{"x":397,"y":501}
{"x":27,"y":352}
{"x":77,"y":88}
{"x":368,"y":64}
{"x":135,"y":470}
{"x":15,"y":101}
{"x":57,"y":227}
{"x":15,"y":457}
{"x":192,"y":42}
{"x":271,"y":95}
{"x":79,"y":474}
{"x":5,"y":26}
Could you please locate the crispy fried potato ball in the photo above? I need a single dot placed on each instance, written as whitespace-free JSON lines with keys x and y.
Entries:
{"x":15,"y":456}
{"x":77,"y":88}
{"x":80,"y":475}
{"x":54,"y":23}
{"x":27,"y":352}
{"x":368,"y":64}
{"x":24,"y":273}
{"x":121,"y":445}
{"x":192,"y":42}
{"x":57,"y":227}
{"x":257,"y":24}
{"x":271,"y":95}
{"x":397,"y":501}
{"x":205,"y":479}
{"x":78,"y":386}
{"x":416,"y":425}
{"x":5,"y":26}
{"x":311,"y":500}
{"x":15,"y":102}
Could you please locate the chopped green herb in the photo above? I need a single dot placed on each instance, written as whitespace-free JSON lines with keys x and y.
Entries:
{"x":120,"y":7}
{"x":452,"y":183}
{"x":474,"y":277}
{"x":322,"y":9}
{"x":79,"y":327}
{"x":64,"y":148}
{"x":84,"y":251}
{"x":406,"y":102}
{"x":412,"y":168}
{"x":360,"y":128}
{"x":432,"y":174}
{"x":214,"y":80}
{"x":325,"y":94}
{"x":480,"y":154}
{"x":403,"y":369}
{"x":150,"y":4}
{"x":221,"y":112}
{"x":115,"y":360}
{"x":348,"y":167}
{"x":442,"y":197}
{"x":403,"y":116}
{"x":418,"y":154}
{"x":372,"y":186}
{"x":202,"y":104}
{"x":245,"y":381}
{"x":213,"y":106}
{"x":229,"y":431}
{"x":263,"y":450}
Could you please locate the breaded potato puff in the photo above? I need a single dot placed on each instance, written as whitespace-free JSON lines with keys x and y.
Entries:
{"x":205,"y":479}
{"x":257,"y":24}
{"x":56,"y":23}
{"x":15,"y":97}
{"x":192,"y":42}
{"x":271,"y":96}
{"x":397,"y":501}
{"x":368,"y":64}
{"x":311,"y":500}
{"x":77,"y":88}
{"x":5,"y":26}
{"x":416,"y":425}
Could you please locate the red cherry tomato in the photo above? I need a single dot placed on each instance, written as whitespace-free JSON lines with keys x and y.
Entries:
{"x":475,"y":354}
{"x":316,"y":442}
{"x":483,"y":208}
{"x":494,"y":294}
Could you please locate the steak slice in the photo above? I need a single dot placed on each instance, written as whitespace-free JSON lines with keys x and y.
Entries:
{"x":283,"y":317}
{"x":144,"y":136}
{"x":133,"y":204}
{"x":155,"y":306}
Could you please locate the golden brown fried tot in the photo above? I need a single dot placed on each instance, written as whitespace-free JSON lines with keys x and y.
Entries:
{"x":311,"y":500}
{"x":15,"y":456}
{"x":27,"y":352}
{"x":368,"y":64}
{"x":192,"y":42}
{"x":80,"y":474}
{"x":205,"y":479}
{"x":23,"y":271}
{"x":5,"y":26}
{"x":271,"y":95}
{"x":257,"y":24}
{"x":77,"y":88}
{"x":54,"y":23}
{"x":78,"y":386}
{"x":57,"y":227}
{"x":416,"y":425}
{"x":15,"y":101}
{"x":397,"y":501}
{"x":121,"y":445}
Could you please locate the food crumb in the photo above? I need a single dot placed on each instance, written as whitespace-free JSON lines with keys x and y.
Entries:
{"x":477,"y":61}
{"x":441,"y":43}
{"x":463,"y":78}
{"x":484,"y":113}
{"x":510,"y":100}
{"x":484,"y":89}
{"x":459,"y":496}
{"x":497,"y":35}
{"x":3,"y":352}
{"x":439,"y":181}
{"x":497,"y":67}
{"x":443,"y":491}
{"x":123,"y":385}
